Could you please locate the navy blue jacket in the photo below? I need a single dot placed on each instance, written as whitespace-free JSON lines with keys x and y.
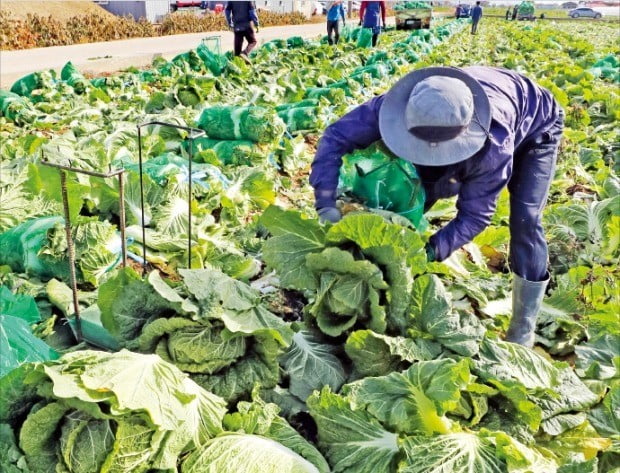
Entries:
{"x":476,"y":13}
{"x":240,"y":14}
{"x":520,"y":110}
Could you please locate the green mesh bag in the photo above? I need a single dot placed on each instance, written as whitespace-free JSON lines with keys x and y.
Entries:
{"x":216,"y":63}
{"x":20,"y":247}
{"x":383,"y":181}
{"x":301,"y":119}
{"x":257,"y":124}
{"x":295,"y":42}
{"x":230,"y":152}
{"x":364,"y":40}
{"x":18,"y":345}
{"x":74,"y":78}
{"x":376,"y":71}
{"x":301,"y":103}
{"x":27,"y":84}
{"x":190,"y":58}
{"x":333,"y":95}
{"x":11,"y":104}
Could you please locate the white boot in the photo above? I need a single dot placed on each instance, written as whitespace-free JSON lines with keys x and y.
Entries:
{"x":527,"y":297}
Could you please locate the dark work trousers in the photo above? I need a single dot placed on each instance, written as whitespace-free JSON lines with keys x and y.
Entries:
{"x":375,"y":37}
{"x":333,"y":27}
{"x":474,"y":26}
{"x":532,"y":173}
{"x":249,"y":36}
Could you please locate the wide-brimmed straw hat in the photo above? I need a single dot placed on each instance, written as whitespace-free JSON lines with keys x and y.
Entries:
{"x":435,"y":116}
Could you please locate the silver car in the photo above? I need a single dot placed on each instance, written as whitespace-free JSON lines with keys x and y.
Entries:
{"x":584,"y":12}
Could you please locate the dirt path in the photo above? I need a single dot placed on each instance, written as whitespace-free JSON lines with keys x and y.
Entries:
{"x":107,"y":57}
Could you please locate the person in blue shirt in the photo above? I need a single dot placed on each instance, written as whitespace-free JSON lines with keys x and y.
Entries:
{"x":476,"y":14}
{"x":240,"y":16}
{"x":470,"y":133}
{"x":335,"y":11}
{"x":372,"y":15}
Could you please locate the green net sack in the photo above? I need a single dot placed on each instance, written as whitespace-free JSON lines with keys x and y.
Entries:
{"x":190,"y":58}
{"x":364,"y":40}
{"x":18,"y":345}
{"x":27,"y":84}
{"x":275,"y":44}
{"x":19,"y":305}
{"x":38,"y":247}
{"x":381,"y":180}
{"x":20,"y":247}
{"x":257,"y":124}
{"x":216,"y":63}
{"x":11,"y":105}
{"x":333,"y":95}
{"x":376,"y":71}
{"x":301,"y":119}
{"x":301,"y":103}
{"x":74,"y":78}
{"x":230,"y":152}
{"x":295,"y":42}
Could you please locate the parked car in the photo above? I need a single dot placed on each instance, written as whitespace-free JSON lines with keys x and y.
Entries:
{"x":569,"y":5}
{"x":584,"y":12}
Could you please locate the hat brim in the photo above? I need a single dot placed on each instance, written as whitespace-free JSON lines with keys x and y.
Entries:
{"x":405,"y":145}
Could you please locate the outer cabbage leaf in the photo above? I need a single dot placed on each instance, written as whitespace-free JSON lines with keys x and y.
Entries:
{"x":553,"y":387}
{"x":599,"y":357}
{"x":349,"y":291}
{"x":398,"y":251}
{"x":352,"y":440}
{"x":245,"y":454}
{"x":259,"y":418}
{"x":453,"y":453}
{"x":432,"y":313}
{"x":374,"y":354}
{"x":416,"y":400}
{"x":311,"y":364}
{"x":293,"y":237}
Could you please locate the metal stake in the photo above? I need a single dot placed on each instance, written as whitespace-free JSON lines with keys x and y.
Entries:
{"x":71,"y":250}
{"x":63,"y":170}
{"x":193,"y":133}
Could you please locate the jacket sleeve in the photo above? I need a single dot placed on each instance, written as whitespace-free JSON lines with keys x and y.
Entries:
{"x":344,"y":18}
{"x":253,"y":15}
{"x":476,"y":201}
{"x":383,"y":12}
{"x":357,"y":129}
{"x":363,"y":10}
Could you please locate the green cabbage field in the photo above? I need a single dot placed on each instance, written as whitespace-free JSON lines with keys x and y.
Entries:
{"x":291,"y":346}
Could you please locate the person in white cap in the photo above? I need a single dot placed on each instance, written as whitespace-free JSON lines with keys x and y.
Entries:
{"x":469,"y":132}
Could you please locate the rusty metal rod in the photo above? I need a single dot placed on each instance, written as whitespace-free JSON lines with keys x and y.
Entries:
{"x":71,"y":251}
{"x":121,"y":211}
{"x":116,"y":172}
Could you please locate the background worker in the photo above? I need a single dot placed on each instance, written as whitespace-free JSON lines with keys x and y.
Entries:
{"x":469,"y":132}
{"x":335,"y":11}
{"x":240,"y":16}
{"x":372,"y":15}
{"x":476,"y":15}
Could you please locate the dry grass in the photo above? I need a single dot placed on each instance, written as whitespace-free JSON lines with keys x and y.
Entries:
{"x":59,"y":10}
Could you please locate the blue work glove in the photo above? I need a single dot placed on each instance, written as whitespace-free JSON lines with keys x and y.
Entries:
{"x":430,"y":252}
{"x":329,"y":214}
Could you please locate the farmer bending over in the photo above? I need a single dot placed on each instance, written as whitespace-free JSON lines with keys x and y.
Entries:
{"x":469,"y":132}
